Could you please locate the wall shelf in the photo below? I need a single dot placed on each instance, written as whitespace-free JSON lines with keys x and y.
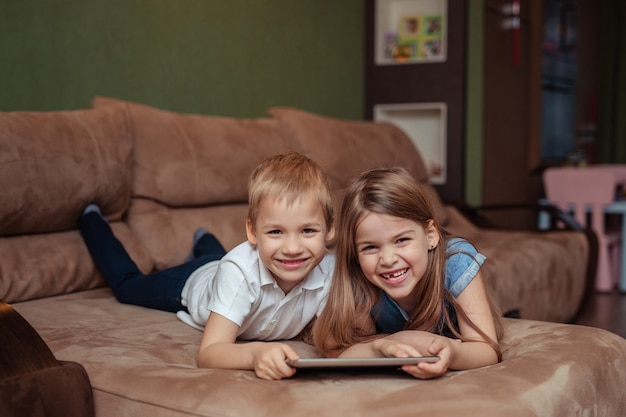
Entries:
{"x":425,"y":125}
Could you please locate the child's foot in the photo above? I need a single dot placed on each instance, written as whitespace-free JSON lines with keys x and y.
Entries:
{"x":92,"y":208}
{"x":197,"y":235}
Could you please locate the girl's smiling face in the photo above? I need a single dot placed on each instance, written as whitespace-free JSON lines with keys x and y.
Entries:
{"x":393,"y":254}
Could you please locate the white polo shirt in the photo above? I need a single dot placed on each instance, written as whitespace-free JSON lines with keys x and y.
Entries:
{"x":240,"y":288}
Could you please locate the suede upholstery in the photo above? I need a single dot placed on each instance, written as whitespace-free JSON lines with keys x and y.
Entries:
{"x":52,"y":164}
{"x":142,"y":362}
{"x":32,"y":381}
{"x":62,"y":391}
{"x":158,"y":175}
{"x":55,"y":162}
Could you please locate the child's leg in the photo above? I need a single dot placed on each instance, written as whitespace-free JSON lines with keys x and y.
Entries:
{"x":160,"y":290}
{"x":107,"y":252}
{"x":205,"y":244}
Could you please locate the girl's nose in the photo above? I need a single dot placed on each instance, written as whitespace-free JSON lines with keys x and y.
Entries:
{"x":387,"y":256}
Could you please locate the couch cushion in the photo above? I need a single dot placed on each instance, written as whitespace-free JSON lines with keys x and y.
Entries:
{"x":147,"y":366}
{"x":193,"y":160}
{"x":52,"y":164}
{"x":166,"y":232}
{"x":345,"y":148}
{"x":539,"y":274}
{"x":46,"y":264}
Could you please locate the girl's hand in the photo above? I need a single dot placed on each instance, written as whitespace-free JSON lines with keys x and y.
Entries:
{"x":436,"y":346}
{"x":439,"y":346}
{"x":388,"y":348}
{"x":269,"y":361}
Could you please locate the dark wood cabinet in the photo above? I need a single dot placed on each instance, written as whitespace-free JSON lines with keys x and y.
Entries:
{"x":430,"y":82}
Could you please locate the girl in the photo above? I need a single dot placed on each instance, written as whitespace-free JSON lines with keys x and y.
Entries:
{"x":398,"y":274}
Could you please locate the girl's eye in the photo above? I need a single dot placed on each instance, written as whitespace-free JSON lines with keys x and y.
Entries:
{"x":273,"y":232}
{"x":368,"y":248}
{"x":309,"y":231}
{"x":402,"y":240}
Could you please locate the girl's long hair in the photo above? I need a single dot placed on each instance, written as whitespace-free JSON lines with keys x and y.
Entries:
{"x":346,"y":318}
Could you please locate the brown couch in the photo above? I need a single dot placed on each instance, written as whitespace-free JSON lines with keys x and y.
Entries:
{"x":158,"y":175}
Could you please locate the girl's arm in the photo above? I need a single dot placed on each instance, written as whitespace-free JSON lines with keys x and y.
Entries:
{"x":218,"y":349}
{"x":474,"y":301}
{"x":401,"y":344}
{"x":454,"y":354}
{"x":407,"y":343}
{"x":475,"y":352}
{"x":457,"y":355}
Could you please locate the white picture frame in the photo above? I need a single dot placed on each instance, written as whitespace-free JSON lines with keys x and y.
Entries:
{"x":410,"y":31}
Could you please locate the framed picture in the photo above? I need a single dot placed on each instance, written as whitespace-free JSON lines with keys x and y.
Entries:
{"x":410,"y":31}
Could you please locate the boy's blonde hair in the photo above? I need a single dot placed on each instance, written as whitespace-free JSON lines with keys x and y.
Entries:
{"x":289,"y":176}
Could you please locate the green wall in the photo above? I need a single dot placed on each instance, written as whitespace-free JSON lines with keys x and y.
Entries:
{"x":474,"y":129}
{"x":226,"y":57}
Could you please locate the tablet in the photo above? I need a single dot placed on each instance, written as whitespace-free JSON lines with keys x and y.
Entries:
{"x":337,"y":363}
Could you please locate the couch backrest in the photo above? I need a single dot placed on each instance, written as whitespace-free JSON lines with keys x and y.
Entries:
{"x":51,"y":165}
{"x":187,"y":160}
{"x":191,"y":170}
{"x":345,"y":148}
{"x":157,"y":175}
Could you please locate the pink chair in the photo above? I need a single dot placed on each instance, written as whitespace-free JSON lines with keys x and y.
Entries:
{"x":618,"y":169}
{"x":584,"y":191}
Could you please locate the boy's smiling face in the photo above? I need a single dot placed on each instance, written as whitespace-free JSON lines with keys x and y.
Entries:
{"x":291,"y":238}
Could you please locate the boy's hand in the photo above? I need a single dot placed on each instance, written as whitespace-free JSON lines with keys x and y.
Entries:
{"x":218,"y":349}
{"x":269,"y":361}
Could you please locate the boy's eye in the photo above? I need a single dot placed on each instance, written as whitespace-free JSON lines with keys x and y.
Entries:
{"x":273,"y":232}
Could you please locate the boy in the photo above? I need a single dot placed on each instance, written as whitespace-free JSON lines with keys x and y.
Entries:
{"x":265,"y":289}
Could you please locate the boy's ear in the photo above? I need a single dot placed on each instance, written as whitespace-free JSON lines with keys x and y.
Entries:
{"x":250,"y":232}
{"x":330,"y":235}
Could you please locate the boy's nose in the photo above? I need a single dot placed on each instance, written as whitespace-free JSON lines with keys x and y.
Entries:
{"x":293,"y":245}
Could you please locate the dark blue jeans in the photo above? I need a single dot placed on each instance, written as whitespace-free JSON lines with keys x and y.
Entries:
{"x":159,"y":290}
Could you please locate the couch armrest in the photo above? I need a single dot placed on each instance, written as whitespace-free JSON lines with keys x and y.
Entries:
{"x":32,"y":381}
{"x":22,"y":349}
{"x":475,"y":214}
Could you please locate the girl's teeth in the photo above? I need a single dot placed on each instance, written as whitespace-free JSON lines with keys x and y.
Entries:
{"x":395,"y":275}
